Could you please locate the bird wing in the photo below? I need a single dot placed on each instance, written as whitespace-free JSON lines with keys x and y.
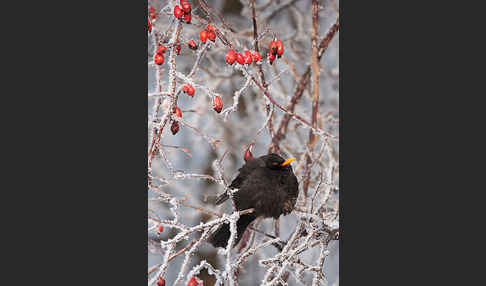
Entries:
{"x":244,"y":172}
{"x":263,"y":191}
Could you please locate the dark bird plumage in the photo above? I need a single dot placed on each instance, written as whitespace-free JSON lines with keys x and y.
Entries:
{"x":268,"y":185}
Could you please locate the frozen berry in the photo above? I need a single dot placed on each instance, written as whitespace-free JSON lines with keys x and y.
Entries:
{"x":271,"y":57}
{"x":160,"y":281}
{"x":203,"y":36}
{"x":212,"y":35}
{"x":192,"y":282}
{"x":239,"y":58}
{"x":187,"y":18}
{"x":192,"y":45}
{"x":177,"y":112}
{"x":189,"y":89}
{"x":247,"y":57}
{"x":256,"y":56}
{"x":273,"y":47}
{"x":178,"y":11}
{"x":159,"y":59}
{"x":230,"y":56}
{"x":280,"y":48}
{"x":217,"y":104}
{"x":210,"y":28}
{"x":175,"y":127}
{"x":161,"y":49}
{"x":248,"y":154}
{"x":186,"y":7}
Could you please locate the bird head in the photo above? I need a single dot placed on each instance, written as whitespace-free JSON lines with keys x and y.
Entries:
{"x":275,"y":162}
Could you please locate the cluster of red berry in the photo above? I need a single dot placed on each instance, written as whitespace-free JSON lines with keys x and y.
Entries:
{"x":247,"y":58}
{"x":152,"y":15}
{"x":189,"y":89}
{"x":276,"y":49}
{"x":183,"y":11}
{"x":159,"y":55}
{"x":209,"y":32}
{"x":192,"y":282}
{"x":204,"y":35}
{"x":161,"y":49}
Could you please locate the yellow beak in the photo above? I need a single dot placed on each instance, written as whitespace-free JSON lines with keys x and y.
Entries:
{"x":288,"y":161}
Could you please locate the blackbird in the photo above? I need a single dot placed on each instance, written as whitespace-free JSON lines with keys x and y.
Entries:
{"x":268,"y":185}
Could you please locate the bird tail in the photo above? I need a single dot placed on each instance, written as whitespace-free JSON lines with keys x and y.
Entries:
{"x":221,"y":236}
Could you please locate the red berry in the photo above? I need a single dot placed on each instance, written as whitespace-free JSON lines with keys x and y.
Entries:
{"x":217,"y":104}
{"x":203,"y":36}
{"x":161,"y":282}
{"x":189,"y":89}
{"x":280,"y":48}
{"x":177,"y":11}
{"x":149,"y":25}
{"x":161,"y":49}
{"x":187,"y":18}
{"x":273,"y":47}
{"x":178,"y":48}
{"x":159,"y":59}
{"x":175,"y":127}
{"x":271,"y":57}
{"x":210,"y":28}
{"x":247,"y":57}
{"x":177,"y":112}
{"x":239,"y":58}
{"x":256,"y":56}
{"x":186,"y":7}
{"x":152,"y":12}
{"x":160,"y":229}
{"x":192,"y":45}
{"x":230,"y":56}
{"x":248,"y":154}
{"x":212,"y":35}
{"x":192,"y":282}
